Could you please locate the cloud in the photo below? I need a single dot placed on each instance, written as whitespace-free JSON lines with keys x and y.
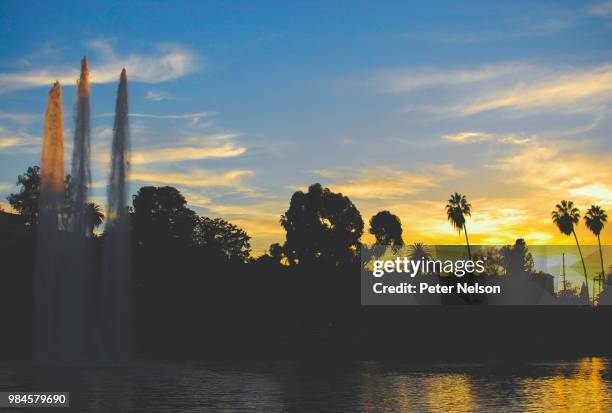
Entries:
{"x":18,"y":141}
{"x":5,"y":186}
{"x":554,"y":166}
{"x":542,"y":174}
{"x":155,"y":95}
{"x":467,"y":137}
{"x":19,"y":117}
{"x":601,"y":9}
{"x":377,"y":183}
{"x":194,"y":179}
{"x":186,"y":153}
{"x":516,"y":139}
{"x":9,"y":143}
{"x":103,"y":132}
{"x":400,"y":81}
{"x":512,"y":193}
{"x":188,"y":149}
{"x":260,"y":221}
{"x":515,"y":86}
{"x":569,"y":90}
{"x":6,"y":207}
{"x":201,"y":190}
{"x":170,"y":62}
{"x":492,"y":222}
{"x":190,"y":116}
{"x":475,"y":137}
{"x":540,"y":21}
{"x":599,"y":193}
{"x":242,"y":211}
{"x":195,"y":198}
{"x":193,"y":117}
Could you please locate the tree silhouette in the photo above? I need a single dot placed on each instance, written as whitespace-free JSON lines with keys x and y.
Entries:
{"x":321,"y":226}
{"x":276,"y":252}
{"x":493,"y":259}
{"x":26,"y":200}
{"x":565,"y":216}
{"x":457,"y":209}
{"x":222,"y":237}
{"x":161,"y":216}
{"x":387,"y":229}
{"x":419,"y":251}
{"x":595,"y":219}
{"x":95,"y":216}
{"x":517,"y":259}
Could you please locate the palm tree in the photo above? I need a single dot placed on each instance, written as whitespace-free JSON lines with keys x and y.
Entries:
{"x":95,"y":216}
{"x":565,"y":216}
{"x":419,"y":251}
{"x":595,"y":219}
{"x":457,"y":209}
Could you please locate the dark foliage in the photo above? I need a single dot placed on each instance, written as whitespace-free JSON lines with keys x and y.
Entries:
{"x":387,"y":229}
{"x":26,"y":200}
{"x":321,"y":226}
{"x":196,"y":293}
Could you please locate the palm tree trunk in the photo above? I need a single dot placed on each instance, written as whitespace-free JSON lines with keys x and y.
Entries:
{"x":586,"y":278}
{"x":467,"y":242}
{"x":603,"y":271}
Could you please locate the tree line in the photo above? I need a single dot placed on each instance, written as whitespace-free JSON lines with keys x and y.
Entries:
{"x":320,"y":225}
{"x":196,"y":289}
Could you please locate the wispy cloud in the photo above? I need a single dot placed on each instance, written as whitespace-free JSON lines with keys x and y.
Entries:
{"x":598,"y":193}
{"x":517,"y":87}
{"x":10,"y":142}
{"x":565,"y":91}
{"x":475,"y":137}
{"x":195,"y":179}
{"x":377,"y":183}
{"x":260,"y":220}
{"x":186,"y":153}
{"x":463,"y":137}
{"x":155,"y":95}
{"x":5,"y":186}
{"x":193,"y":117}
{"x":535,"y":177}
{"x":186,"y":150}
{"x":540,"y":21}
{"x":19,"y":117}
{"x":400,"y":81}
{"x":557,"y":169}
{"x":16,"y":141}
{"x":602,"y":9}
{"x":189,"y":116}
{"x":170,"y":62}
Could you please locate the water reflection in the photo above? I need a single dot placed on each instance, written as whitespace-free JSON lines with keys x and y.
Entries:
{"x":450,"y":393}
{"x":577,"y":386}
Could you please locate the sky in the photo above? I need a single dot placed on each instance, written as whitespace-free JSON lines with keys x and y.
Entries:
{"x":394,"y":104}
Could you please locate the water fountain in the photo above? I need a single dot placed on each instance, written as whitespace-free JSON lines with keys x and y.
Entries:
{"x":49,"y":269}
{"x":76,"y":318}
{"x":81,"y":171}
{"x":79,"y":313}
{"x":115,"y":275}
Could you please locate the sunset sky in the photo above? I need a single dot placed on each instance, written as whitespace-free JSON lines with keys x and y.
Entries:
{"x":394,"y":104}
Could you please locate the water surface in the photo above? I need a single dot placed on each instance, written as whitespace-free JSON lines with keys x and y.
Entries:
{"x":582,"y":385}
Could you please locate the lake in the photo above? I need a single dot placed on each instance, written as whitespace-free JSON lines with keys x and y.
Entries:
{"x":582,"y":385}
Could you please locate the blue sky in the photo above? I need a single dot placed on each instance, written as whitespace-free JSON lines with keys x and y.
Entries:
{"x":395,"y":104}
